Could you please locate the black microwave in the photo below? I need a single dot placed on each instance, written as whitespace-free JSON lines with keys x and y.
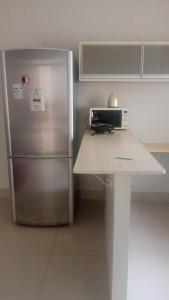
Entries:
{"x":115,"y":116}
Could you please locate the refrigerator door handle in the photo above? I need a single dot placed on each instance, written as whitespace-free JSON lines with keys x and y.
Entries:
{"x":71,"y":195}
{"x":70,"y":96}
{"x":12,"y":191}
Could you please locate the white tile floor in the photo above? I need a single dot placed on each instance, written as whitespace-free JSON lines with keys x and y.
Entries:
{"x":54,"y":263}
{"x":149,"y":251}
{"x":69,"y":262}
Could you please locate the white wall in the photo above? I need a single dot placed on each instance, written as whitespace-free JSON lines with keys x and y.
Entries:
{"x":52,"y":23}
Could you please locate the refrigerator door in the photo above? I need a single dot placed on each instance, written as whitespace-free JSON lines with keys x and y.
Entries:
{"x":38,"y":85}
{"x":42,"y":190}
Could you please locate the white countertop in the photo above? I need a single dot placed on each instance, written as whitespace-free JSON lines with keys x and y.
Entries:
{"x":99,"y":154}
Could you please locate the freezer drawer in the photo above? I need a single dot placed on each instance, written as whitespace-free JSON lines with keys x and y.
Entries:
{"x":42,"y":191}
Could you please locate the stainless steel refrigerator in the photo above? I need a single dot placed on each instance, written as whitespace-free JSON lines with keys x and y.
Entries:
{"x":38,"y":104}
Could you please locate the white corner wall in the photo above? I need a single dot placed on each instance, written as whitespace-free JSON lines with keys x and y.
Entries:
{"x":62,"y":24}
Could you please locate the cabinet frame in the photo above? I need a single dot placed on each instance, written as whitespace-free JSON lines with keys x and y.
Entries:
{"x":126,"y":77}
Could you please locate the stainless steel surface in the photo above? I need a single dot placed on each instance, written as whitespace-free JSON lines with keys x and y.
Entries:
{"x":41,"y":190}
{"x":111,"y":59}
{"x":39,"y":142}
{"x":43,"y":132}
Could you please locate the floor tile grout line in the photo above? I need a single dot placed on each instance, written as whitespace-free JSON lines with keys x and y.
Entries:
{"x":78,"y":255}
{"x":47,"y":265}
{"x":60,"y":254}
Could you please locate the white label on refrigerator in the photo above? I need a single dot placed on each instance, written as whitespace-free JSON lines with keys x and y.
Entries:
{"x":37,"y":101}
{"x":17,"y":91}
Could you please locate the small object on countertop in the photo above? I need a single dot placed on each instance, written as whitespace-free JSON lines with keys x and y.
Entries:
{"x":112,"y":101}
{"x":101,"y":128}
{"x":123,"y":157}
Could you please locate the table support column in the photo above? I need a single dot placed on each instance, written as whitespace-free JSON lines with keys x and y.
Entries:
{"x":117,"y":233}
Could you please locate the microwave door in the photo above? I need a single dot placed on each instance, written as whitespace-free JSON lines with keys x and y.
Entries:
{"x":116,"y":118}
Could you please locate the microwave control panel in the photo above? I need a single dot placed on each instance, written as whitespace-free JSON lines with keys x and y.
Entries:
{"x":125,"y":118}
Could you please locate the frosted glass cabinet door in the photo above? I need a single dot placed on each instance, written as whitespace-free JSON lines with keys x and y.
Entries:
{"x":110,"y":60}
{"x":156,"y":60}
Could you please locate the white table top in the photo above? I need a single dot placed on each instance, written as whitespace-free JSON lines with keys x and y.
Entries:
{"x":104,"y":153}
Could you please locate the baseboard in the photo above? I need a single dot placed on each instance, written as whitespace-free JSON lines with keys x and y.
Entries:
{"x":90,"y":195}
{"x":4,"y":193}
{"x":81,"y":194}
{"x":135,"y":196}
{"x":150,"y":196}
{"x":99,"y":195}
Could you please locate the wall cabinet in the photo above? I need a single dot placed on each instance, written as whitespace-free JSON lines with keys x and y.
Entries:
{"x":123,"y":61}
{"x":156,"y":61}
